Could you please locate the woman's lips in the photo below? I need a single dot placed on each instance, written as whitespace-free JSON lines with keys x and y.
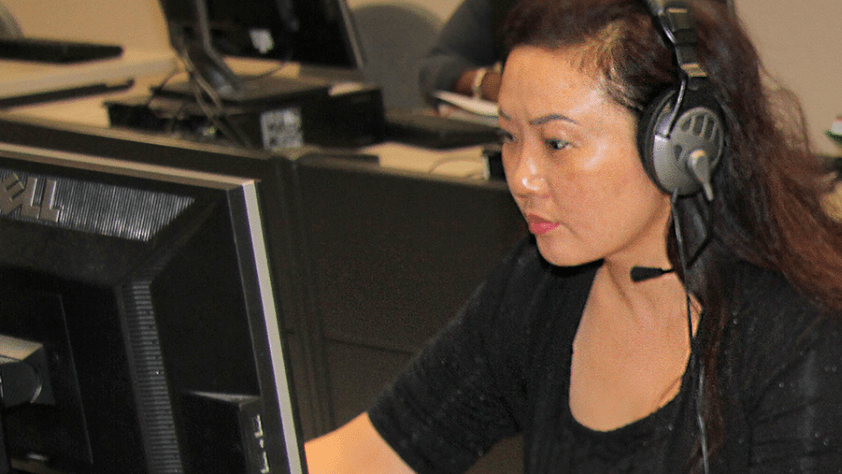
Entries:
{"x":538,"y":225}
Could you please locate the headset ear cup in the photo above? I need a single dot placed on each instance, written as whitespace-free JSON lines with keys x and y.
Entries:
{"x":654,"y":118}
{"x":681,"y":150}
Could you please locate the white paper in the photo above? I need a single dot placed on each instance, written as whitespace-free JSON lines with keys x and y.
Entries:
{"x":482,"y":107}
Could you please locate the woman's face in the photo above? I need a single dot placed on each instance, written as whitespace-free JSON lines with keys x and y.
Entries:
{"x":572,"y":164}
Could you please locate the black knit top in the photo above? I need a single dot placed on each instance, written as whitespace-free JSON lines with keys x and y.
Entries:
{"x":502,"y":367}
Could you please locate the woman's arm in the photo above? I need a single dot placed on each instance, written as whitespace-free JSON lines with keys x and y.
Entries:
{"x":355,"y":448}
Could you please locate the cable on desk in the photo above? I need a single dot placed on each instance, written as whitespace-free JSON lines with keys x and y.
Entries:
{"x":225,"y":125}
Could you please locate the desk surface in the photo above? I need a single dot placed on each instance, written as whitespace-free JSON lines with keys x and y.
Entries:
{"x":148,"y":69}
{"x":19,"y":78}
{"x":465,"y":163}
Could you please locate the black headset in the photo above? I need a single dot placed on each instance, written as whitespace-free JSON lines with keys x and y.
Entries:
{"x":681,"y":134}
{"x":682,"y":137}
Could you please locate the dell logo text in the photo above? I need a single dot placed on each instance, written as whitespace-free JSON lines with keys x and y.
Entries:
{"x":15,"y":194}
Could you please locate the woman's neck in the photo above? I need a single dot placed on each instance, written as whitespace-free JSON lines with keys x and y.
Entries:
{"x":649,"y":299}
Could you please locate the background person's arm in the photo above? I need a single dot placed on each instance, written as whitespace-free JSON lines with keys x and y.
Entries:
{"x":466,"y":43}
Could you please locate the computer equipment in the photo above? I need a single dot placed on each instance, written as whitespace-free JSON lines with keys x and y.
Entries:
{"x":289,"y":119}
{"x":305,"y":31}
{"x":72,"y":92}
{"x":56,"y":51}
{"x":435,"y":131}
{"x":682,"y":134}
{"x":139,"y":327}
{"x":278,"y":190}
{"x":280,"y":108}
{"x":203,"y":31}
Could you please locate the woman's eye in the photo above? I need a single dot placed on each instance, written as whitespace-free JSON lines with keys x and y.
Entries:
{"x":555,"y":144}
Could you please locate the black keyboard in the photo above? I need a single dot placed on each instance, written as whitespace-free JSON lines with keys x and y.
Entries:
{"x":55,"y":51}
{"x":433,"y":131}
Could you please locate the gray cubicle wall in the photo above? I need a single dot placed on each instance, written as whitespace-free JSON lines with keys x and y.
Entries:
{"x":393,"y":258}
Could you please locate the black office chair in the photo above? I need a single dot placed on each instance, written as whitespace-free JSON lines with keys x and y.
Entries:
{"x":394,"y":39}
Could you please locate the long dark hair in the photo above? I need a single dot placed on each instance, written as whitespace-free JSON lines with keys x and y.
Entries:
{"x":769,"y":187}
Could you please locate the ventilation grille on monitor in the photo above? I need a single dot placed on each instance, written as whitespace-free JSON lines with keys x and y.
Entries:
{"x":86,"y":206}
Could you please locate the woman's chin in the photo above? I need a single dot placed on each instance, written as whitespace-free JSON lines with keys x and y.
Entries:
{"x":562,"y":255}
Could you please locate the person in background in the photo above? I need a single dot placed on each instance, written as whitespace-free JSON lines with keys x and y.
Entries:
{"x":466,"y":56}
{"x":724,"y":355}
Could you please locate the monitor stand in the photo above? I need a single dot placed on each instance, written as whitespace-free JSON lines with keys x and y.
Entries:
{"x":208,"y":69}
{"x":25,"y":379}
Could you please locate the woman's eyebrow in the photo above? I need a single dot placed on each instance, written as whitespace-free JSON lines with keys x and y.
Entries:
{"x":551,"y":118}
{"x":539,"y":120}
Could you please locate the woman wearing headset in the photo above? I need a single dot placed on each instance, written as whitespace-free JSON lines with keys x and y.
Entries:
{"x":647,"y":325}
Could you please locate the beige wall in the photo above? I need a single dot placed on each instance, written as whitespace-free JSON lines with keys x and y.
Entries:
{"x":801,"y":45}
{"x":131,"y":23}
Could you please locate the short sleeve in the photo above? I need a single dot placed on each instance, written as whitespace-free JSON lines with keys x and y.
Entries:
{"x":455,"y":400}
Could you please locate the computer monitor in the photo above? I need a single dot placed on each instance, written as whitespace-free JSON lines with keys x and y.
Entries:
{"x":319,"y":32}
{"x":278,"y":190}
{"x":139,"y":327}
{"x":312,"y":32}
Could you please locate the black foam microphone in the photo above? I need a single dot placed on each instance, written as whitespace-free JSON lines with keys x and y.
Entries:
{"x":639,"y":274}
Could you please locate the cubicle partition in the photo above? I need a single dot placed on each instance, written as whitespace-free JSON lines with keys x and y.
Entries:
{"x":393,"y":256}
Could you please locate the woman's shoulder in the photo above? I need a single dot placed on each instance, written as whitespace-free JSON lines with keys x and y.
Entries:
{"x":766,"y":297}
{"x":777,"y":329}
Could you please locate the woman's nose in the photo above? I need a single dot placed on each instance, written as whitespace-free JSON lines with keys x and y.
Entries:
{"x":524,"y":174}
